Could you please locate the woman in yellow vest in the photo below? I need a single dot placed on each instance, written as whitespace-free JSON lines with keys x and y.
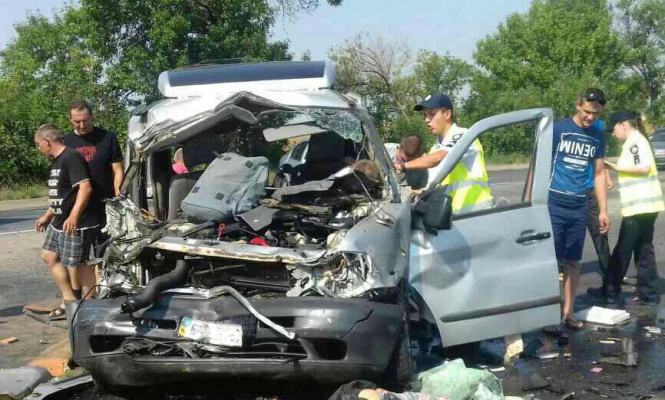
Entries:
{"x":641,"y":201}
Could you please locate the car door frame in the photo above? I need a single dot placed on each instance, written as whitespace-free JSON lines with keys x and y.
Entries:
{"x":461,"y":320}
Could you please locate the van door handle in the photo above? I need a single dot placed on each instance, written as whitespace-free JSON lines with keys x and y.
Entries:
{"x":537,"y":236}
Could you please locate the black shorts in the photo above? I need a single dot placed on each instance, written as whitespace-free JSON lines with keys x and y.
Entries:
{"x":73,"y":248}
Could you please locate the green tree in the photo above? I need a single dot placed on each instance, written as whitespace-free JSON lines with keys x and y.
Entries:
{"x":443,"y":74}
{"x":40,"y":72}
{"x":377,"y":69}
{"x":138,"y":39}
{"x":641,"y":27}
{"x":373,"y":68}
{"x":544,"y":58}
{"x":112,"y":54}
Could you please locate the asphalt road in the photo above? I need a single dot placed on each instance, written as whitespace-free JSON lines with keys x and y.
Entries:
{"x":25,"y":279}
{"x":508,"y":183}
{"x":13,"y":221}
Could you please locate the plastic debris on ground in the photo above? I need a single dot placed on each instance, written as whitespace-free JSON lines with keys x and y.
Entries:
{"x":514,"y":347}
{"x":18,"y":383}
{"x":457,"y":382}
{"x":627,"y":356}
{"x":653,"y":330}
{"x":380,"y":394}
{"x":8,"y":340}
{"x":605,"y":316}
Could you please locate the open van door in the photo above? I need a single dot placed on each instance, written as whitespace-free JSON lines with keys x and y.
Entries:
{"x":494,"y":272}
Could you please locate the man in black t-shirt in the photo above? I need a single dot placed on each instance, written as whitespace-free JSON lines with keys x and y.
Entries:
{"x":101,"y":150}
{"x":68,"y":221}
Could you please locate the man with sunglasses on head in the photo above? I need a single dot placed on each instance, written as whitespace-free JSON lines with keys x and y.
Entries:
{"x":578,"y":146}
{"x":467,"y":184}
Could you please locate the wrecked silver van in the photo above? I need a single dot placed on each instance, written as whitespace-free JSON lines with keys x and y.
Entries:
{"x":317,"y":280}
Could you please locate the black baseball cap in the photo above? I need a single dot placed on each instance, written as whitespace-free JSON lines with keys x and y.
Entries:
{"x":435,"y":100}
{"x":621,"y":116}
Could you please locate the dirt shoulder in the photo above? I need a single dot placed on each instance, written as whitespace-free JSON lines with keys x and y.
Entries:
{"x":23,"y":204}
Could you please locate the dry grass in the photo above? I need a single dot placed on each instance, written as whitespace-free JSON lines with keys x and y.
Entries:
{"x":23,"y":191}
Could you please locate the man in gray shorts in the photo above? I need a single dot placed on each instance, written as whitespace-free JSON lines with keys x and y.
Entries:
{"x":70,"y":228}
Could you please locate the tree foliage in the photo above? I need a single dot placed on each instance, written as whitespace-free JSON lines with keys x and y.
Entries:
{"x":112,"y":54}
{"x":641,"y":25}
{"x":377,"y":70}
{"x":40,"y":72}
{"x":138,"y":39}
{"x":544,"y":58}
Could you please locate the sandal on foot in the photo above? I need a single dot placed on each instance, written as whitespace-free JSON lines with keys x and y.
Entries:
{"x":57,"y":313}
{"x":573,"y":323}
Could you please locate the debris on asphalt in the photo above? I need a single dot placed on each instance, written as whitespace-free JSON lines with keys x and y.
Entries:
{"x":616,"y":381}
{"x":514,"y":347}
{"x":568,"y":396}
{"x":627,"y":357}
{"x":547,"y":354}
{"x":19,"y":382}
{"x":454,"y":380}
{"x":605,"y":316}
{"x":43,"y":341}
{"x":596,"y":370}
{"x":653,"y":330}
{"x":56,"y":366}
{"x":8,"y":340}
{"x":533,"y":381}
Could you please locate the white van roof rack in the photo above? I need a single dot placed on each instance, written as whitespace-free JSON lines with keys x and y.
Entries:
{"x":230,"y":78}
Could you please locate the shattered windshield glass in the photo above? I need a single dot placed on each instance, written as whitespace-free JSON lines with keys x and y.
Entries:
{"x":287,"y":124}
{"x":343,"y":123}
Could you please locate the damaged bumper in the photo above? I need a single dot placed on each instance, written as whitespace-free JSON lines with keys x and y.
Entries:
{"x":336,"y":340}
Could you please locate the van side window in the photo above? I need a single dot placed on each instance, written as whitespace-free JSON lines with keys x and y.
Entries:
{"x":509,"y":154}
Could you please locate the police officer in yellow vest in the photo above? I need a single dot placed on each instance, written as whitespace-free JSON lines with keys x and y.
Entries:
{"x":641,"y":201}
{"x":467,"y":184}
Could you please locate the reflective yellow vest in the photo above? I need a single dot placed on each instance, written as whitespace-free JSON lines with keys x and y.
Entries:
{"x":467,"y":184}
{"x":640,"y":194}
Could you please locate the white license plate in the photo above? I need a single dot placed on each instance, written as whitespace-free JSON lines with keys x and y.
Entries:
{"x":211,"y":332}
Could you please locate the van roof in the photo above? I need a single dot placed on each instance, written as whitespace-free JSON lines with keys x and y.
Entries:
{"x":232,"y":78}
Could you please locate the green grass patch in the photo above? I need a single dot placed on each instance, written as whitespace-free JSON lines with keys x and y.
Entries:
{"x":23,"y":191}
{"x":503,"y":159}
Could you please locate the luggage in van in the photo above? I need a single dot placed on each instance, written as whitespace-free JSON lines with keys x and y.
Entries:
{"x":231,"y":185}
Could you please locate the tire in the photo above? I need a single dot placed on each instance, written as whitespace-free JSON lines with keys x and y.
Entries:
{"x":400,"y":368}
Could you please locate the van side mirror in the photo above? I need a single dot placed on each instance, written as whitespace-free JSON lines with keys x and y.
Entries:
{"x":435,"y":210}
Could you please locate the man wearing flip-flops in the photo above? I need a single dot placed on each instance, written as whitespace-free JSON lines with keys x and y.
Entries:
{"x":70,"y":226}
{"x":577,"y":147}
